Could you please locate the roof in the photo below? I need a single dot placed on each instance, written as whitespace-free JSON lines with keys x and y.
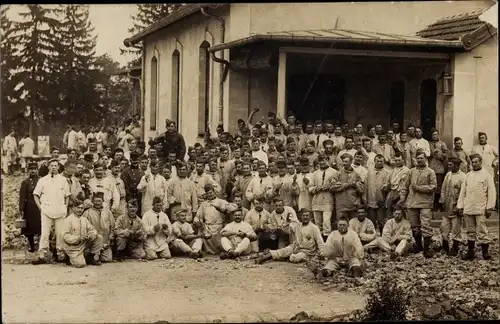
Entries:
{"x":454,"y":27}
{"x":341,"y":36}
{"x":181,"y":13}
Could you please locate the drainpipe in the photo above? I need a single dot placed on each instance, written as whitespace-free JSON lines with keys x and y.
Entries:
{"x":143,"y":91}
{"x":224,"y":68}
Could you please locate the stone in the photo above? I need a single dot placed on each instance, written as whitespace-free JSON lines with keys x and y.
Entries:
{"x":430,"y":300}
{"x":492,"y":283}
{"x":446,"y":305}
{"x":300,"y":316}
{"x":433,"y":312}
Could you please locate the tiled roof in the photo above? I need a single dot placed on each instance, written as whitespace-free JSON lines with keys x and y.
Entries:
{"x":340,"y":36}
{"x":454,"y":27}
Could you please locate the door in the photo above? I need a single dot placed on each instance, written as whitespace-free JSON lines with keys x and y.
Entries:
{"x":397,"y":107}
{"x":428,"y":97}
{"x":320,"y":99}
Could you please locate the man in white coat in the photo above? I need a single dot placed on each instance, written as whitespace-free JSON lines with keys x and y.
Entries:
{"x":158,"y":232}
{"x":51,"y":196}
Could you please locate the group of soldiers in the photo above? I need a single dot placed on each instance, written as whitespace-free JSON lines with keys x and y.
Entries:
{"x":287,"y":190}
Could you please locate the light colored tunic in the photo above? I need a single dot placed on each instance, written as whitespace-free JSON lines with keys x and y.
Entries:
{"x":362,"y":229}
{"x":343,"y":248}
{"x":183,"y":191}
{"x":201,"y":181}
{"x":108,"y":187}
{"x":425,"y":178}
{"x":477,"y":193}
{"x":156,"y":186}
{"x":156,"y":241}
{"x":74,"y":228}
{"x":261,"y":155}
{"x":262,"y":188}
{"x":53,"y":192}
{"x":284,"y":188}
{"x":322,"y":200}
{"x":376,"y":179}
{"x":103,"y":222}
{"x":212,"y":221}
{"x":450,"y":190}
{"x":241,"y":245}
{"x":397,"y":231}
{"x":347,"y":199}
{"x":362,"y":171}
{"x":305,"y":198}
{"x":120,"y":187}
{"x":421,"y":144}
{"x":489,"y":153}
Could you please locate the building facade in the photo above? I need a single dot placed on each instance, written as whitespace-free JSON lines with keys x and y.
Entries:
{"x":426,"y":63}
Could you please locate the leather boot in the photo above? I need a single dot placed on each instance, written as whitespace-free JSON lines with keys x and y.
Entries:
{"x":263,"y":258}
{"x":486,"y":254}
{"x":454,"y":249}
{"x":418,"y":242}
{"x":427,"y":247}
{"x":356,"y":272}
{"x":469,"y":256}
{"x":445,"y":246}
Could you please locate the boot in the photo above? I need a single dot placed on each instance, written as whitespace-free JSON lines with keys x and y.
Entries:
{"x":445,"y":246}
{"x":486,"y":254}
{"x":454,"y":249}
{"x":93,"y":261}
{"x":427,"y":247}
{"x":39,"y":261}
{"x":231,"y":254}
{"x":470,"y":252}
{"x":263,"y":258}
{"x":118,"y":256}
{"x":356,"y":272}
{"x":223,"y":256}
{"x":418,"y":242}
{"x":194,"y":255}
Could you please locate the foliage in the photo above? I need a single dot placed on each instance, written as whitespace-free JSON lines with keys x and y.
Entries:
{"x":147,"y":14}
{"x":387,"y":303}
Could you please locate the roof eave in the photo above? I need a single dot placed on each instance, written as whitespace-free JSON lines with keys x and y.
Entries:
{"x":256,"y":38}
{"x":176,"y":16}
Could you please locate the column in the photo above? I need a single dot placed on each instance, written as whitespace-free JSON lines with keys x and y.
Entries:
{"x":281,"y":97}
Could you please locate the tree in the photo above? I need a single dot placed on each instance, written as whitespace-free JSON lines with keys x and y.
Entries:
{"x":77,"y":70}
{"x":147,"y":14}
{"x":35,"y":39}
{"x":12,"y":114}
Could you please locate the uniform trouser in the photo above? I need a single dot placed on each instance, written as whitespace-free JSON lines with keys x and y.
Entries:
{"x":378,"y":216}
{"x":337,"y":263}
{"x":391,"y":199}
{"x":477,"y":229}
{"x":47,"y":223}
{"x":152,"y":254}
{"x":94,"y":246}
{"x":133,"y":249}
{"x":194,"y":245}
{"x":106,"y":255}
{"x":349,"y":214}
{"x":288,"y":253}
{"x":323,"y":220}
{"x":420,"y":220}
{"x":400,"y":247}
{"x":453,"y":224}
{"x":241,"y":248}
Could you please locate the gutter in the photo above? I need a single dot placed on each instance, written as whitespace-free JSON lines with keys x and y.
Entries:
{"x":224,"y":64}
{"x":284,"y":38}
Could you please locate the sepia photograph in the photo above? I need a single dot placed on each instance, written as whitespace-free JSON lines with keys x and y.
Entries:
{"x":249,"y":162}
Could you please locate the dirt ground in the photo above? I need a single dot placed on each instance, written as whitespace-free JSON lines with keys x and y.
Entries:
{"x":179,"y":290}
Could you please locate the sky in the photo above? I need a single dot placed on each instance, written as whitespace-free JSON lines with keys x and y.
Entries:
{"x":111,"y":23}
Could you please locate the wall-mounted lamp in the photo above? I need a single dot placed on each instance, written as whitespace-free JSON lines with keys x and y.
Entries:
{"x":447,"y":84}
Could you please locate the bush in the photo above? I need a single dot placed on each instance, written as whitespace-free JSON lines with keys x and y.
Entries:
{"x":387,"y":303}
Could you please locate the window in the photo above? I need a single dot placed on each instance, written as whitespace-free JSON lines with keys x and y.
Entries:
{"x":176,"y":70}
{"x":204,"y":88}
{"x":154,"y":94}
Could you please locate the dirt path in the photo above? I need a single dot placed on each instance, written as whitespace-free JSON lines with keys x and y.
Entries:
{"x":179,"y":290}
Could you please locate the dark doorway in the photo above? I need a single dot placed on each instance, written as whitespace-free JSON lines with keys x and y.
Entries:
{"x":325,"y":100}
{"x":397,"y":107}
{"x":428,"y":97}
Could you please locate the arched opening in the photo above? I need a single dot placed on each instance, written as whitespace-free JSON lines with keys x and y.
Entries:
{"x":204,"y":88}
{"x":153,"y":110}
{"x":176,"y":74}
{"x":428,"y":97}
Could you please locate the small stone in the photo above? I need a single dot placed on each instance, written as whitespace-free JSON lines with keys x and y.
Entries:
{"x":301,"y":316}
{"x":433,"y":312}
{"x":492,"y":283}
{"x":422,"y":276}
{"x":185,"y":286}
{"x":424,"y":284}
{"x":430,"y":299}
{"x":446,"y":305}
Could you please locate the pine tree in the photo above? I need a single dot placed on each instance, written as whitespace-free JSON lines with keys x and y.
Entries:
{"x":35,"y":38}
{"x":147,"y":14}
{"x":77,"y":70}
{"x":12,"y":115}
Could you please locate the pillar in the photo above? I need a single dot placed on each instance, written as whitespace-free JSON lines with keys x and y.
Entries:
{"x":281,"y":97}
